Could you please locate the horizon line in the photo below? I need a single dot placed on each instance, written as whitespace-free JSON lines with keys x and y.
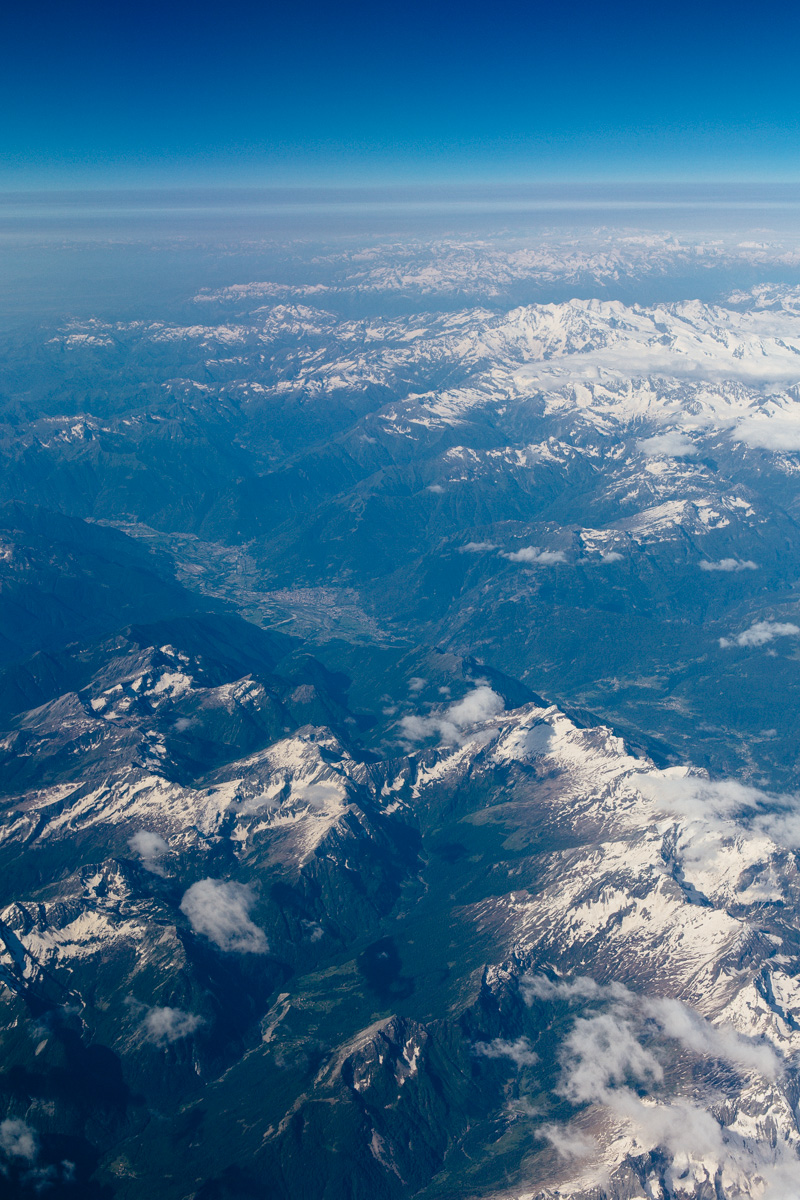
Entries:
{"x":436,"y":185}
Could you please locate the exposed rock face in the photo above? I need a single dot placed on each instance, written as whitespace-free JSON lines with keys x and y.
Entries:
{"x":622,"y":987}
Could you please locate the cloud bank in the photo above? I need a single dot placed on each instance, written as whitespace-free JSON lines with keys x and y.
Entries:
{"x":612,"y":1057}
{"x":722,"y":809}
{"x":605,"y":1048}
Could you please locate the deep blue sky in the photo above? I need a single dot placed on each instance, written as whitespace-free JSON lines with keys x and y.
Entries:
{"x":120,"y":94}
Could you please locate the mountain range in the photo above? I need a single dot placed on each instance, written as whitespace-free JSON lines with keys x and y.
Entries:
{"x":399,"y":662}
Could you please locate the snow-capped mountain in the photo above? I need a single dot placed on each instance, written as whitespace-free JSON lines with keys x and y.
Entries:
{"x":622,"y":951}
{"x":398,"y":729}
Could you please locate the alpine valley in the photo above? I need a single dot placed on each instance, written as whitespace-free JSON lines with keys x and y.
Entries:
{"x":400,"y":724}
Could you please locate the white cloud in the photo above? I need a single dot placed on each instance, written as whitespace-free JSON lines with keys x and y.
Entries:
{"x":611,"y":556}
{"x":603,"y":1062}
{"x":762,"y":632}
{"x":477,"y":707}
{"x":320,"y":796}
{"x":729,"y":564}
{"x":18,"y":1140}
{"x":780,"y":432}
{"x":604,"y":1049}
{"x":783,"y":828}
{"x":695,"y":797}
{"x":416,"y":683}
{"x":682,"y":1024}
{"x":520,"y":1106}
{"x":670,"y":445}
{"x":165,"y":1025}
{"x":220,"y":911}
{"x":568,"y":1141}
{"x":697,"y":1144}
{"x":519,"y":1051}
{"x":581,"y":987}
{"x":532,"y":554}
{"x":716,"y":810}
{"x":150,"y":847}
{"x":477,"y":548}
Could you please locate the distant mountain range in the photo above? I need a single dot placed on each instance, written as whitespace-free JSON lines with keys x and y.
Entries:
{"x":399,"y":684}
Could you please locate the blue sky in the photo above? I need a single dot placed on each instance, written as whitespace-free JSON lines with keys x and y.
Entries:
{"x":174,"y":94}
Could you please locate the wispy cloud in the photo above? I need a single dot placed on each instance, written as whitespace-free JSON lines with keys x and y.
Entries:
{"x":568,"y":1141}
{"x":520,"y":1051}
{"x":762,"y":632}
{"x":605,"y":1047}
{"x":713,"y":811}
{"x":534,"y":556}
{"x":729,"y":564}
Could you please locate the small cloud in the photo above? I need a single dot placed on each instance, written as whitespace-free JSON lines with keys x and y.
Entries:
{"x":150,"y":847}
{"x":611,"y":556}
{"x":476,"y":707}
{"x":416,"y":683}
{"x":519,"y":1051}
{"x":729,"y":564}
{"x":522,"y":1107}
{"x":162,"y":1026}
{"x":668,"y":445}
{"x":762,"y":632}
{"x":220,"y":911}
{"x":320,"y":796}
{"x":532,"y":554}
{"x":770,"y":433}
{"x":569,"y":1142}
{"x":436,"y":488}
{"x":314,"y":930}
{"x":477,"y":548}
{"x":18,"y":1140}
